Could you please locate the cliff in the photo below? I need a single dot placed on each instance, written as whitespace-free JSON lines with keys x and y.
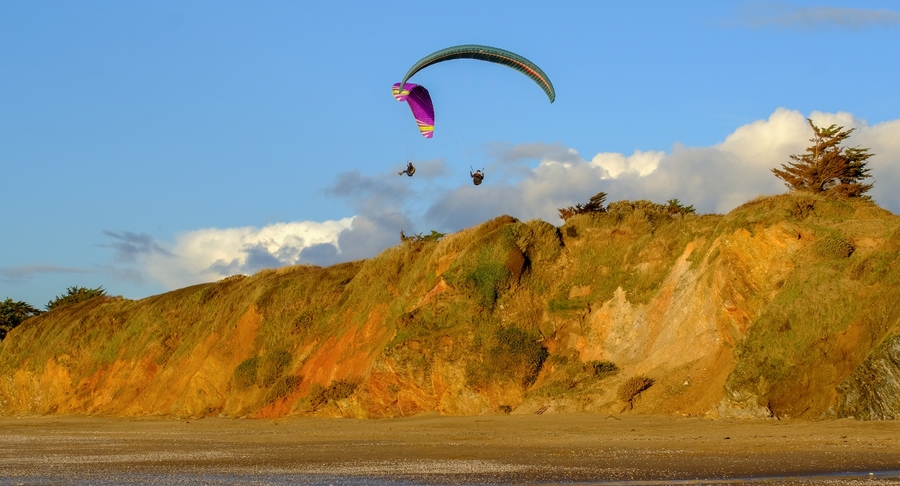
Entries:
{"x":785,"y":307}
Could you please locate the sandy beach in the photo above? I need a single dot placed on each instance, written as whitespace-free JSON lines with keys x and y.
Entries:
{"x":520,"y":449}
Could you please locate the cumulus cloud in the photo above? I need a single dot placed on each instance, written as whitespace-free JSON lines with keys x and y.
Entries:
{"x":25,"y":272}
{"x":779,"y":15}
{"x":639,"y":163}
{"x":210,"y":254}
{"x":698,"y":176}
{"x":713,"y":179}
{"x":528,"y":181}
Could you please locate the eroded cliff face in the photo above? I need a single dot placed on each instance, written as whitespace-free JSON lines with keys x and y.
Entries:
{"x":761,"y":312}
{"x":872,"y":391}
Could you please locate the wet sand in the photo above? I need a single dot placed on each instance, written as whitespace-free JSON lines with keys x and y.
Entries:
{"x":520,"y":449}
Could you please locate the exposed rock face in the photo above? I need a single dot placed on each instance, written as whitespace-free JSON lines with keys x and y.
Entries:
{"x":744,"y":315}
{"x":872,"y":392}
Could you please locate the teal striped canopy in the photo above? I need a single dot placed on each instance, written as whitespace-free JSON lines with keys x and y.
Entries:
{"x":490,"y":54}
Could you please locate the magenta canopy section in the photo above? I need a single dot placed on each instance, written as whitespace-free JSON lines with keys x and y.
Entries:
{"x":419,"y":101}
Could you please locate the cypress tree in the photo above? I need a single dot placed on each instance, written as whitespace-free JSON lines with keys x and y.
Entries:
{"x":827,"y":167}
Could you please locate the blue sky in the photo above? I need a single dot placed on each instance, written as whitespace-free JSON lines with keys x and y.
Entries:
{"x":146,"y":146}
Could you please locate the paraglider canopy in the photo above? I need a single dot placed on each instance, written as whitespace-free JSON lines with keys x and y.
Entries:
{"x":489,"y":54}
{"x":420,"y":101}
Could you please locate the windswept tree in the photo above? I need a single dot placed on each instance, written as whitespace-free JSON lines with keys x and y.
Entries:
{"x":674,"y":206}
{"x":594,"y":205}
{"x":827,"y":167}
{"x":13,"y":313}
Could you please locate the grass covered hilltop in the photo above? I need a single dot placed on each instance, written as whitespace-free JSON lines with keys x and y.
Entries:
{"x":786,"y":307}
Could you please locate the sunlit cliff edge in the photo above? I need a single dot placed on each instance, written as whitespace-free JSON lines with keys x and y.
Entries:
{"x":787,"y":307}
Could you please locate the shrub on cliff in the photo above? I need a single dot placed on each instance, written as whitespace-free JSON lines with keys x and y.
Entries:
{"x":594,"y":205}
{"x":339,"y":390}
{"x":644,"y":210}
{"x":283,"y":387}
{"x":420,"y":238}
{"x":516,"y":355}
{"x":674,"y":207}
{"x":633,"y":387}
{"x":75,"y":295}
{"x":601,"y":368}
{"x":245,"y":374}
{"x":264,"y":371}
{"x":833,"y":245}
{"x":273,"y":365}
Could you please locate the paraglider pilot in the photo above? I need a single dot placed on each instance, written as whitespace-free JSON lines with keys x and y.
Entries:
{"x":476,"y":176}
{"x":410,"y":170}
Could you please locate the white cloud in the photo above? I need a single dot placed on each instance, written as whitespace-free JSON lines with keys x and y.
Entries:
{"x":713,"y":179}
{"x":210,"y":254}
{"x":767,"y":143}
{"x":640,"y":163}
{"x":884,"y":141}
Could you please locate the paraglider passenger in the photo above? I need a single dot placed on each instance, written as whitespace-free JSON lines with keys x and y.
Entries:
{"x":410,"y":170}
{"x":476,"y":176}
